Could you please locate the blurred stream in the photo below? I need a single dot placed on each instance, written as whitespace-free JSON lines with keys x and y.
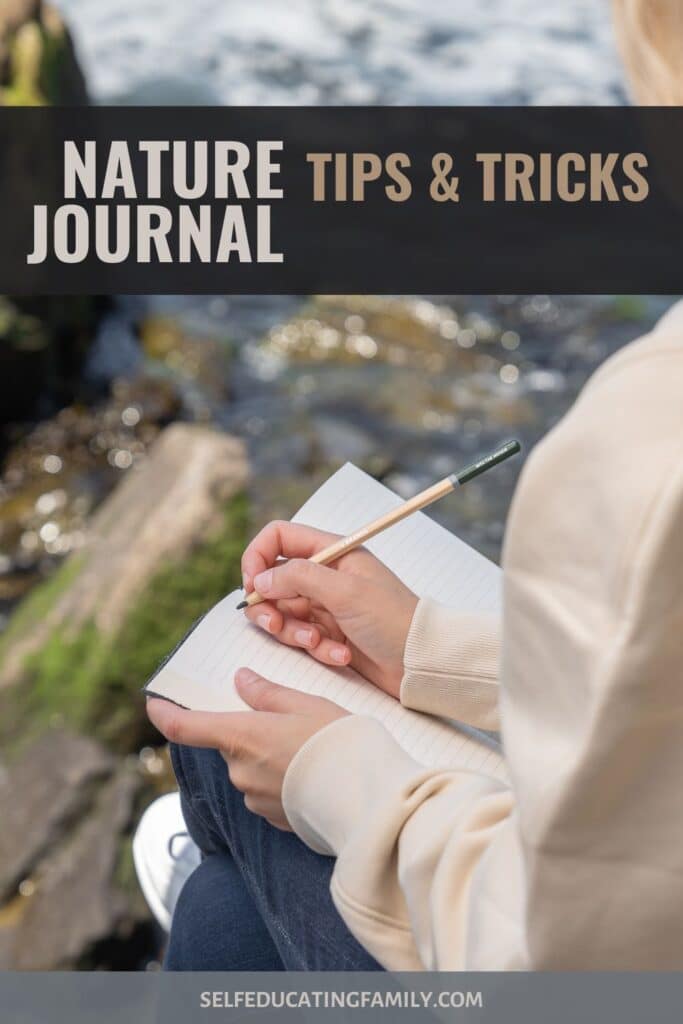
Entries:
{"x":347,"y":51}
{"x":407,"y":387}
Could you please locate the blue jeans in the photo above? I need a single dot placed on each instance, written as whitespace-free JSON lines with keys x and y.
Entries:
{"x":260,"y":899}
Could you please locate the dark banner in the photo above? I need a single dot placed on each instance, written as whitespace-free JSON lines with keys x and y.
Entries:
{"x":341,"y":200}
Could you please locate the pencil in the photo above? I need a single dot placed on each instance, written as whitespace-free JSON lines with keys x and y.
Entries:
{"x":422,"y":500}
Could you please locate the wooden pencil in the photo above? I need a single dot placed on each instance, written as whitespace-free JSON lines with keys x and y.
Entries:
{"x":422,"y":500}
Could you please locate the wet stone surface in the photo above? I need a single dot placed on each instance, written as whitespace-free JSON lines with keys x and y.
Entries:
{"x":41,"y":795}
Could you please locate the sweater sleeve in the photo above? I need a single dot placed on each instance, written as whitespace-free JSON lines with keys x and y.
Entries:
{"x":451,"y":665}
{"x":576,"y":865}
{"x":411,"y":843}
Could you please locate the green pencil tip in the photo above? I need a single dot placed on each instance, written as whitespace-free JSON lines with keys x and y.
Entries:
{"x":512,"y":447}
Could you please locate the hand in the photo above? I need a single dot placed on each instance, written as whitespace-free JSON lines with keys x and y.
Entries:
{"x":356,"y":613}
{"x":258,"y":745}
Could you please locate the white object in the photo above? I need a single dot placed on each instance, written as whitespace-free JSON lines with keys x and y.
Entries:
{"x":429,"y":559}
{"x":165,"y":856}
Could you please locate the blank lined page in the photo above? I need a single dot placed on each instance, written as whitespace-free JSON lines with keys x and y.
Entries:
{"x":200,"y":673}
{"x":427,"y":557}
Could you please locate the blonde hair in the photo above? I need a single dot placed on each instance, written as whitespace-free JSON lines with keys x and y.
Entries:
{"x":650,"y":37}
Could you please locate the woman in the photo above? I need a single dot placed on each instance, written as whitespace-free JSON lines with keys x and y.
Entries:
{"x":577,"y":863}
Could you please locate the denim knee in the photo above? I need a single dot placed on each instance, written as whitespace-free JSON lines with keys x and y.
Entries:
{"x":216,"y":926}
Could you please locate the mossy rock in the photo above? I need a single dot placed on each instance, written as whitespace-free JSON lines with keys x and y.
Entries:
{"x":40,"y":67}
{"x":161,"y":550}
{"x":92,"y":681}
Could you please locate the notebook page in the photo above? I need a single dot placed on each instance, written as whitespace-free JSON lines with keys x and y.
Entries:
{"x":200,"y":675}
{"x":428,"y":558}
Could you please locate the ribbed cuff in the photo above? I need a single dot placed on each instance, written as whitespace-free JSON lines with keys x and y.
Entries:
{"x":451,"y":665}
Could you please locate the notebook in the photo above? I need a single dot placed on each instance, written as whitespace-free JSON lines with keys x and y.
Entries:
{"x":427,"y":557}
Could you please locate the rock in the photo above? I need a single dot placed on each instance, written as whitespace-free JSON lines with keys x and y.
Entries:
{"x":15,"y":13}
{"x":39,"y":65}
{"x":43,"y":345}
{"x":342,"y":441}
{"x":66,"y":85}
{"x":41,"y":795}
{"x":162,"y":549}
{"x":7,"y":937}
{"x":79,"y":902}
{"x":154,"y":515}
{"x":26,"y":55}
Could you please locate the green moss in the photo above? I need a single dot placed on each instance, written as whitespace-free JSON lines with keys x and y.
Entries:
{"x":55,"y":55}
{"x":628,"y":307}
{"x":39,"y":602}
{"x":26,"y":54}
{"x":38,"y":55}
{"x":93,"y":682}
{"x":124,"y":870}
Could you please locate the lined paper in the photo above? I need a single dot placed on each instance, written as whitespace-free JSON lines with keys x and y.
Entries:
{"x":429,"y":559}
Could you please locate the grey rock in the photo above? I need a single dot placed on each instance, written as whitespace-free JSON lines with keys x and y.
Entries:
{"x":50,"y":786}
{"x":8,"y":931}
{"x":343,"y":441}
{"x":79,"y":901}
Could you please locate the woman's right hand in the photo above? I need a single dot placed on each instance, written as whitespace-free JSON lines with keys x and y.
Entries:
{"x":356,"y":612}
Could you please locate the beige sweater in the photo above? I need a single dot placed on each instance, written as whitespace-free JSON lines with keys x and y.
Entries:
{"x":578,"y":864}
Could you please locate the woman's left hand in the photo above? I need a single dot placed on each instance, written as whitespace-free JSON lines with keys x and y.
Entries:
{"x":257,"y":745}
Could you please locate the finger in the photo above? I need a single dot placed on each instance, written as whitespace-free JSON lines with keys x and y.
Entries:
{"x":299,"y":577}
{"x":297,"y":608}
{"x":197,"y":728}
{"x":331,"y":652}
{"x":264,"y":695}
{"x":299,"y":633}
{"x":281,"y":539}
{"x":269,"y":809}
{"x":288,"y":630}
{"x":266,"y":616}
{"x":302,"y":633}
{"x":279,"y":822}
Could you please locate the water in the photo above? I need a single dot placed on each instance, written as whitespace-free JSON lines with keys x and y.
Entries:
{"x":410,"y":388}
{"x":347,"y":51}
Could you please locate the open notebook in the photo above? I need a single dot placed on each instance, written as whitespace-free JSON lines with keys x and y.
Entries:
{"x":429,"y":559}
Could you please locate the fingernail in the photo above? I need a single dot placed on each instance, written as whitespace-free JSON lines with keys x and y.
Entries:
{"x":304,"y":637}
{"x":264,"y":622}
{"x":246,"y":580}
{"x":338,"y":654}
{"x":263,"y":581}
{"x":245,"y":676}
